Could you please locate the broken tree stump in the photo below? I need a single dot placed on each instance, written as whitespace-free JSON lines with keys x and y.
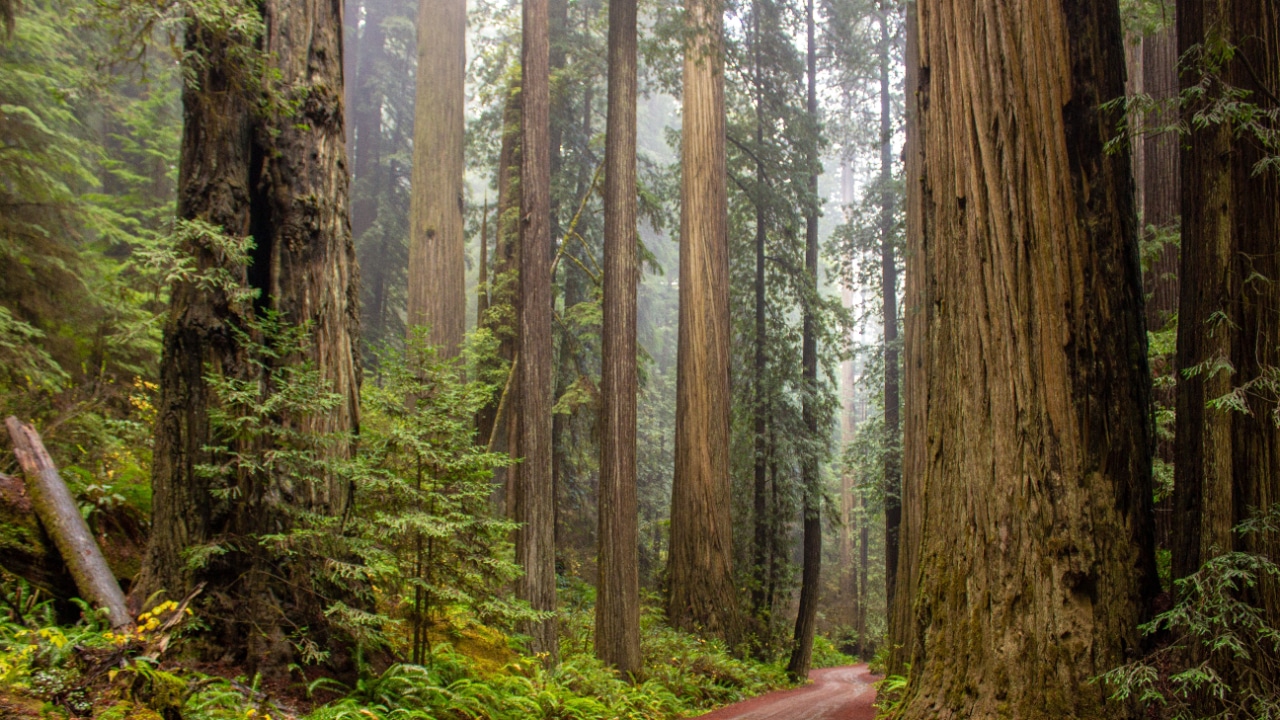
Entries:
{"x":61,"y":518}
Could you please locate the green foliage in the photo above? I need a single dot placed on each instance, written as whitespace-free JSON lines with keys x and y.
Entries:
{"x":890,"y":694}
{"x":421,"y":543}
{"x":1221,"y":658}
{"x":1211,"y":101}
{"x":425,"y":500}
{"x":825,"y":654}
{"x":684,"y":676}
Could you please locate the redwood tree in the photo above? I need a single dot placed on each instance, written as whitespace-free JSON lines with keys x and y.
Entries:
{"x":1036,"y":559}
{"x":915,"y":382}
{"x":807,"y":614}
{"x":889,"y":313}
{"x":617,"y":637}
{"x":701,"y":592}
{"x":276,"y":171}
{"x":437,"y":245}
{"x":1228,"y":453}
{"x":534,"y":491}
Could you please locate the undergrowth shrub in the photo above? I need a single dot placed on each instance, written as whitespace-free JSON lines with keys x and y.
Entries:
{"x":89,"y":670}
{"x":1221,"y":658}
{"x":826,"y":654}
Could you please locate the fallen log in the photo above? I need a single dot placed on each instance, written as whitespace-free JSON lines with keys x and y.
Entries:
{"x":25,"y":548}
{"x":61,"y":518}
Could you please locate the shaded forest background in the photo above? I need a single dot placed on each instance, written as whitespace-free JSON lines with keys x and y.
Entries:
{"x":92,"y":250}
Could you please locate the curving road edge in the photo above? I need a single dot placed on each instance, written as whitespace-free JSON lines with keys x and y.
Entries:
{"x":839,"y":693}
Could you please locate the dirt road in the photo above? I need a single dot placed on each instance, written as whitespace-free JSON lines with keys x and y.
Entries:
{"x":842,"y":693}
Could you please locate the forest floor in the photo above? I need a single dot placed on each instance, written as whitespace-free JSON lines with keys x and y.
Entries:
{"x":839,"y":693}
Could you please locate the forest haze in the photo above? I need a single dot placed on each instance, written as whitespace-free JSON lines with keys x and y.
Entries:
{"x":406,"y":359}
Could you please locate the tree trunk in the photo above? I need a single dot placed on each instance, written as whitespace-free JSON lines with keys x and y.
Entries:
{"x":1161,"y":190}
{"x":811,"y":573}
{"x":60,"y":516}
{"x":1036,"y":561}
{"x":1228,"y":461}
{"x":437,"y":245}
{"x":864,"y":566}
{"x":482,"y":275}
{"x":276,"y":173}
{"x":504,"y":297}
{"x":535,"y":497}
{"x":1160,"y":180}
{"x":618,"y":591}
{"x":889,"y":301}
{"x":916,"y":398}
{"x":366,"y":113}
{"x":1133,"y":61}
{"x":759,"y":506}
{"x":701,"y":589}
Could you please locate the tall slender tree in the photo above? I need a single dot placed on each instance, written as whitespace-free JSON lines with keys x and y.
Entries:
{"x":889,"y":307}
{"x":1160,"y":174}
{"x":437,"y":245}
{"x":535,"y":493}
{"x":807,"y":614}
{"x":1036,"y":557}
{"x":276,"y":172}
{"x":504,"y":284}
{"x":760,"y":508}
{"x":915,"y":382}
{"x":618,"y":591}
{"x":1228,"y":329}
{"x":701,"y":592}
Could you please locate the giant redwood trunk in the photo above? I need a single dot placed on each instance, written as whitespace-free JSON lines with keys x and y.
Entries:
{"x":1036,"y":558}
{"x":437,"y":245}
{"x":618,"y":590}
{"x":1228,"y":459}
{"x":701,"y":593}
{"x":534,"y":491}
{"x":275,"y":171}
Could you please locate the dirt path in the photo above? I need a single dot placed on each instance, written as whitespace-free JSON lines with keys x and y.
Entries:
{"x":842,"y":693}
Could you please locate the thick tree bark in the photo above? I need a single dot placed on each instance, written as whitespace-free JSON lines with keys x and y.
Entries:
{"x":701,"y":592}
{"x":60,"y":516}
{"x":618,"y":592}
{"x":1228,"y":461}
{"x":1036,"y":560}
{"x":811,"y":573}
{"x":276,"y":172}
{"x":535,"y":496}
{"x":437,"y":245}
{"x":916,"y":397}
{"x":889,"y":304}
